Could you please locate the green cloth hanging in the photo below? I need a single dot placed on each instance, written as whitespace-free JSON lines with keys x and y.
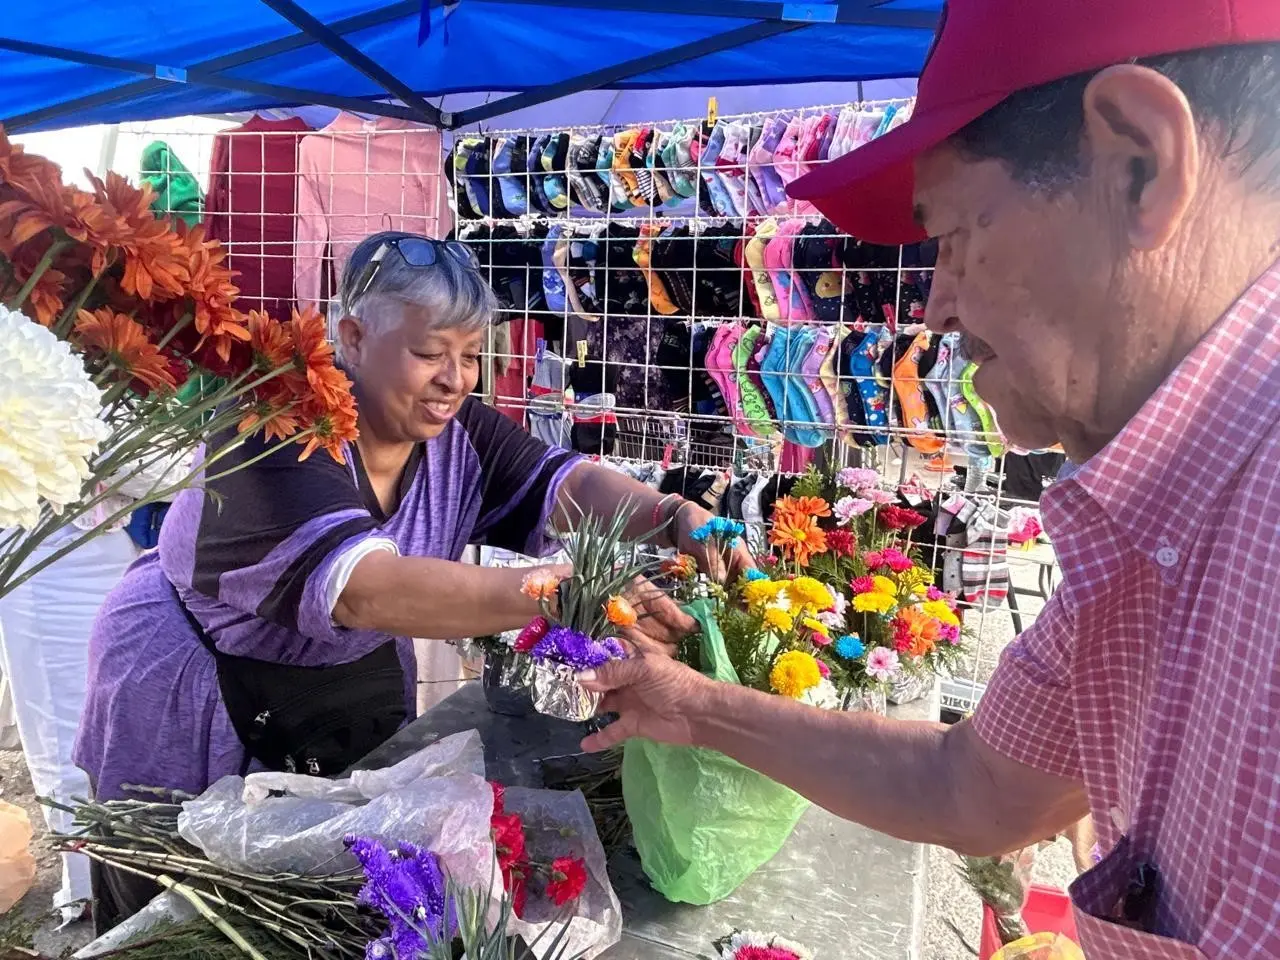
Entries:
{"x":177,"y":192}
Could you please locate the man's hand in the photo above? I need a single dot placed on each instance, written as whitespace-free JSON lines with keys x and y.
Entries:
{"x":655,"y":698}
{"x":662,"y":624}
{"x":719,"y":565}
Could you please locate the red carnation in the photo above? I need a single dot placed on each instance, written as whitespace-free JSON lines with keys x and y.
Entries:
{"x":568,"y":879}
{"x":842,"y":542}
{"x":534,"y":631}
{"x":507,"y":830}
{"x":862,"y":585}
{"x":899,"y":518}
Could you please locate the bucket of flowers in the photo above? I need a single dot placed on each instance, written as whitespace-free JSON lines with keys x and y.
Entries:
{"x":581,"y":612}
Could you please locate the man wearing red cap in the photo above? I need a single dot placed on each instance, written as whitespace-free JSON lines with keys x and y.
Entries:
{"x":1103,"y":177}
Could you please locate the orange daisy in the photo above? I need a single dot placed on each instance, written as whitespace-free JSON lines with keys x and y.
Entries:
{"x":331,"y":427}
{"x":277,"y":423}
{"x":272,"y":346}
{"x":809,"y":506}
{"x":124,"y":343}
{"x":25,"y":170}
{"x":619,"y":611}
{"x":315,"y":355}
{"x":797,"y":535}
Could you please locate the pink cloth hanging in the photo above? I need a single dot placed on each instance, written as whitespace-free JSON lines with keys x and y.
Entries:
{"x":356,"y":178}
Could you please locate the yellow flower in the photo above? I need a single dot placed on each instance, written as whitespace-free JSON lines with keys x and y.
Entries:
{"x":915,"y":580}
{"x":810,"y":593}
{"x":886,"y":586}
{"x":817,"y":626}
{"x":939,"y":610}
{"x":760,"y":593}
{"x":876,"y":602}
{"x":793,"y":673}
{"x":779,"y":619}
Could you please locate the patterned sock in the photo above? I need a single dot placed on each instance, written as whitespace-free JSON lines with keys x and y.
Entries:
{"x":985,"y":563}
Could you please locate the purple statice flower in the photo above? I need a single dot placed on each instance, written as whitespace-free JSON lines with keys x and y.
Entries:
{"x":406,"y":885}
{"x":574,"y":649}
{"x":615,"y":650}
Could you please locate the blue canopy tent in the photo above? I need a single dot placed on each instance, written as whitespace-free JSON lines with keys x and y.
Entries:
{"x":120,"y":60}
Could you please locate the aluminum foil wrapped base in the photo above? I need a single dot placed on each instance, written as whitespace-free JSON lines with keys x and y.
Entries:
{"x":557,"y":693}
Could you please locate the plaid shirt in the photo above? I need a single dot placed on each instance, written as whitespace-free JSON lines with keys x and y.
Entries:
{"x":1153,"y":675}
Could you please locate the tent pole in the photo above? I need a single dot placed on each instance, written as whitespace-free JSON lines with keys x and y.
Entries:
{"x":213,"y":79}
{"x":848,"y":12}
{"x":262,"y":51}
{"x":630,"y":68}
{"x":343,"y":50}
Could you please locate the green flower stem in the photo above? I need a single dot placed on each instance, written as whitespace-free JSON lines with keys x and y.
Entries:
{"x":41,"y":269}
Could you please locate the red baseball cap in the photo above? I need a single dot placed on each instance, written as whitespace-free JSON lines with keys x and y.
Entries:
{"x":986,"y":50}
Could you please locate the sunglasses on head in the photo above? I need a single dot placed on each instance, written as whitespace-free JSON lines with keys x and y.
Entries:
{"x":416,"y":252}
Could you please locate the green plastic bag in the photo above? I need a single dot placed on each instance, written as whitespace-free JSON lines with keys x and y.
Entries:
{"x":702,"y":822}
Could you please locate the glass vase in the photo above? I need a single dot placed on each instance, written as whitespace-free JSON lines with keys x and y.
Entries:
{"x":506,"y":678}
{"x":871,"y":700}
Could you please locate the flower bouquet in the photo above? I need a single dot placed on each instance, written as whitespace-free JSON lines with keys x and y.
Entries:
{"x":124,"y":351}
{"x":580,"y":611}
{"x":901,"y":629}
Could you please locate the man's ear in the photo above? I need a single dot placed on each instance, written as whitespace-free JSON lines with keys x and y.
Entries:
{"x":1144,"y":150}
{"x":351,"y":336}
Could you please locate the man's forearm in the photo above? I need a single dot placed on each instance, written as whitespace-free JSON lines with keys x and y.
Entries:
{"x":918,"y":781}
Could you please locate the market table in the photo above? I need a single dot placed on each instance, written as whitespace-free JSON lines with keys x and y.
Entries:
{"x":842,"y":890}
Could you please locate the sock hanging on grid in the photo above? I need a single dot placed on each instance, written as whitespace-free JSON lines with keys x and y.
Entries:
{"x":985,"y":562}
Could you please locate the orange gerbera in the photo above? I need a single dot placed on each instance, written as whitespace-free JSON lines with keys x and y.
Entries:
{"x":124,"y":343}
{"x":331,"y":426}
{"x":25,"y":170}
{"x":271,"y":343}
{"x":797,"y":535}
{"x":619,"y":611}
{"x":315,"y":355}
{"x":810,"y":506}
{"x":277,"y":422}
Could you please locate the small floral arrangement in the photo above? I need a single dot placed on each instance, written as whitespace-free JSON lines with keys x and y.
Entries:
{"x":581,"y":612}
{"x":750,"y":945}
{"x":124,"y":351}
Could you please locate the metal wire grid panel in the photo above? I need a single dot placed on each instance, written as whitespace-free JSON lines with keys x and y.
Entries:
{"x":289,"y":205}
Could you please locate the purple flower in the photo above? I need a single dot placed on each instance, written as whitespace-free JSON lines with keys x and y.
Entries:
{"x":407,"y":885}
{"x":615,"y":650}
{"x":576,"y":650}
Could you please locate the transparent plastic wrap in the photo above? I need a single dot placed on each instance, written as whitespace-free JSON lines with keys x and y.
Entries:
{"x":437,"y":799}
{"x":1004,"y":883}
{"x":290,"y":823}
{"x":558,"y":823}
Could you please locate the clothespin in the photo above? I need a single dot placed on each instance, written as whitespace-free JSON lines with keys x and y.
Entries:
{"x":713,"y":111}
{"x":541,"y":350}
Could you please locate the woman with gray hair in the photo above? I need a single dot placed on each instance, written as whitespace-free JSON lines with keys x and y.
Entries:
{"x":270,"y":628}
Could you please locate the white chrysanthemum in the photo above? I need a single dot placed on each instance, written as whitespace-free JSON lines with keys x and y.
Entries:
{"x":50,"y":424}
{"x":824,"y":696}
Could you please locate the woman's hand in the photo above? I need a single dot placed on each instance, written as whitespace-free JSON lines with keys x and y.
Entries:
{"x":660,"y":625}
{"x":720,"y":565}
